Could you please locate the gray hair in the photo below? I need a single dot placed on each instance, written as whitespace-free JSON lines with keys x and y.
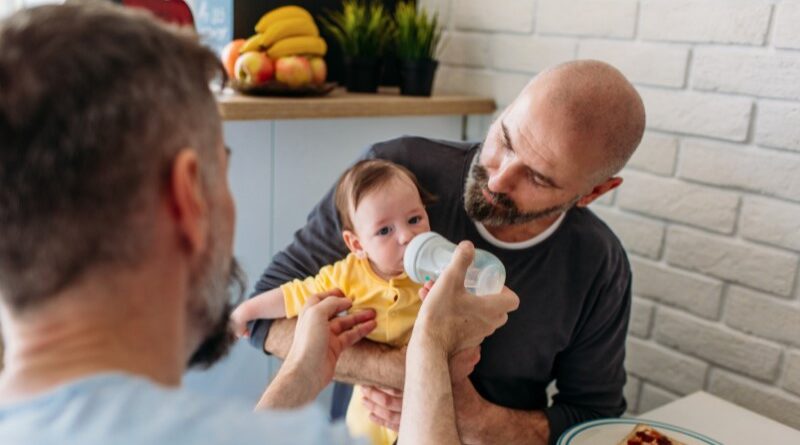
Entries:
{"x":95,"y":102}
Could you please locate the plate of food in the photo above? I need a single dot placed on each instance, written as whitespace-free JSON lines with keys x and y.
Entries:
{"x":631,"y":432}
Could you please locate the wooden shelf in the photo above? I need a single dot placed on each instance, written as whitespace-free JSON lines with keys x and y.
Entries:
{"x":339,"y":103}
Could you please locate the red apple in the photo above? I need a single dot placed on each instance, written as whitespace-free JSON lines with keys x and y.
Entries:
{"x":319,"y":70}
{"x":294,"y":71}
{"x":253,"y":68}
{"x":229,"y":55}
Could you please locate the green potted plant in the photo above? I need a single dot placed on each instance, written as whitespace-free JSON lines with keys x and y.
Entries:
{"x":417,"y":38}
{"x":363,"y":30}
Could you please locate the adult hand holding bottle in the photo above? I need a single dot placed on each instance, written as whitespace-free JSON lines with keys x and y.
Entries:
{"x":451,"y":319}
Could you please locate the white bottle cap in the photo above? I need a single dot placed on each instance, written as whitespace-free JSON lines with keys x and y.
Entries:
{"x":411,"y":255}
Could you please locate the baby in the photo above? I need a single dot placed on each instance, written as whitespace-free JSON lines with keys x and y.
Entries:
{"x":381,"y":208}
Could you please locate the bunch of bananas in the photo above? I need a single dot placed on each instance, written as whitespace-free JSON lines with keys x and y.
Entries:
{"x":286,"y":31}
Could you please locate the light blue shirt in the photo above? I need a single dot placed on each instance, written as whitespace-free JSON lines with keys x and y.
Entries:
{"x":121,"y":409}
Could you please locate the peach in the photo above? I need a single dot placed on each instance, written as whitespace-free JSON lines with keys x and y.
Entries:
{"x":294,"y":71}
{"x":229,"y":55}
{"x":254,"y":68}
{"x":319,"y":70}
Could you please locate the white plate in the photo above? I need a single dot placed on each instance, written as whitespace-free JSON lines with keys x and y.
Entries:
{"x":612,"y":431}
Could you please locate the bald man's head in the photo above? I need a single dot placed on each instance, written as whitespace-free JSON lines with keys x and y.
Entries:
{"x":597,"y":103}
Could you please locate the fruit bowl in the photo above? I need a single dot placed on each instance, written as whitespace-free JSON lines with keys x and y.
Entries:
{"x":274,"y":88}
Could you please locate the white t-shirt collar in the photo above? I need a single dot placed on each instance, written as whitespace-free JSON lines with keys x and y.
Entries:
{"x":520,"y":244}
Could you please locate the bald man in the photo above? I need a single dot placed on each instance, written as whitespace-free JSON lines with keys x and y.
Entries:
{"x":522,"y":194}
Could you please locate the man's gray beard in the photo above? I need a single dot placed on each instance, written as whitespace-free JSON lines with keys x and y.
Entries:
{"x":504,"y":212}
{"x":211,"y":300}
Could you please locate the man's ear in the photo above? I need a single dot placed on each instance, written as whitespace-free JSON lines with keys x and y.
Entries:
{"x":189,"y":202}
{"x":600,"y":190}
{"x":352,"y":243}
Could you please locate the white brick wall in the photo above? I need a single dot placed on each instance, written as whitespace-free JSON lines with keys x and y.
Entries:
{"x":762,"y":315}
{"x":641,"y":317}
{"x":791,"y":374}
{"x":722,"y":117}
{"x":777,"y":125}
{"x":685,"y":290}
{"x":756,"y":396}
{"x":645,"y":63}
{"x":669,"y":369}
{"x":717,"y":344}
{"x":466,"y":49}
{"x":759,"y":171}
{"x":761,"y":267}
{"x":709,"y":210}
{"x":656,"y":154}
{"x":497,"y":15}
{"x":705,"y":21}
{"x":771,"y":221}
{"x":749,"y":71}
{"x":679,"y":201}
{"x":580,"y":17}
{"x":787,"y":16}
{"x":531,"y":53}
{"x":639,"y":235}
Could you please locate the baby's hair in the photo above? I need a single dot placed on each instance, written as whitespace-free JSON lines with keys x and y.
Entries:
{"x":366,"y":176}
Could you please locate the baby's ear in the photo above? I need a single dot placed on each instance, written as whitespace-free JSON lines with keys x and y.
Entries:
{"x":352,"y":242}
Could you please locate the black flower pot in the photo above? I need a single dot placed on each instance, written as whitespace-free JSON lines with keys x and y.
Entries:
{"x":416,"y":76}
{"x":362,"y":74}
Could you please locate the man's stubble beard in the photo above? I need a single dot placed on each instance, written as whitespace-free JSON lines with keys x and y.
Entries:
{"x":217,"y":286}
{"x":504,"y":212}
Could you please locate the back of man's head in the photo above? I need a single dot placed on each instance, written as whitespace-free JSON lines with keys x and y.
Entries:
{"x":95,"y":101}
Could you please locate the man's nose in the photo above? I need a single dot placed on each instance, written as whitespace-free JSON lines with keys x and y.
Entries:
{"x":503,"y":180}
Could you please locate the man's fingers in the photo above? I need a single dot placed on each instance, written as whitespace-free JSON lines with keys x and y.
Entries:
{"x":389,"y":399}
{"x":316,"y":298}
{"x":356,"y":333}
{"x":345,"y":322}
{"x":462,"y":257}
{"x":394,"y":426}
{"x":381,"y":412}
{"x":507,"y":300}
{"x":329,"y":306}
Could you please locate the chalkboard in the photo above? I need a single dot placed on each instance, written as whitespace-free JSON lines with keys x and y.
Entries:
{"x":214,"y":21}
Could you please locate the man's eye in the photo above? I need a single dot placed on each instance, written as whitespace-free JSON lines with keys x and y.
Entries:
{"x":537,"y":182}
{"x":383,"y":231}
{"x":415,"y":220}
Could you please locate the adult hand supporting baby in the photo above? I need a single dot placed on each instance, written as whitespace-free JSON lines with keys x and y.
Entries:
{"x":320,"y":337}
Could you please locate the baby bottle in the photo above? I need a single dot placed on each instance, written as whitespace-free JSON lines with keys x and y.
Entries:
{"x":429,"y":253}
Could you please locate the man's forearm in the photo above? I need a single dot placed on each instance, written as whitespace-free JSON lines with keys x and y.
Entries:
{"x":366,"y":362}
{"x":288,"y":390}
{"x":428,"y":411}
{"x":512,"y":426}
{"x":370,"y":363}
{"x":482,"y":422}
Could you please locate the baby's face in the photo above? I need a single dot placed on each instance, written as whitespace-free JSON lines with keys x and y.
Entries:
{"x":386,"y":220}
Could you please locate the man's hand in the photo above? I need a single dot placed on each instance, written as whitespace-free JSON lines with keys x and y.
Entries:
{"x":454,"y":318}
{"x":385,"y":404}
{"x":320,"y":337}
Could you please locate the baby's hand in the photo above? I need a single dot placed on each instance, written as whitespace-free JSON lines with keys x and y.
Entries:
{"x":423,"y":291}
{"x":238,"y":324}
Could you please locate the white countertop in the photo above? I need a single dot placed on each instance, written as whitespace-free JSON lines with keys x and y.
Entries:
{"x":723,"y":421}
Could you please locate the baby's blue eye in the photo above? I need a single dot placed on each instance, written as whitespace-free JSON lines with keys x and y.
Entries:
{"x":415,"y":220}
{"x":383,"y":231}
